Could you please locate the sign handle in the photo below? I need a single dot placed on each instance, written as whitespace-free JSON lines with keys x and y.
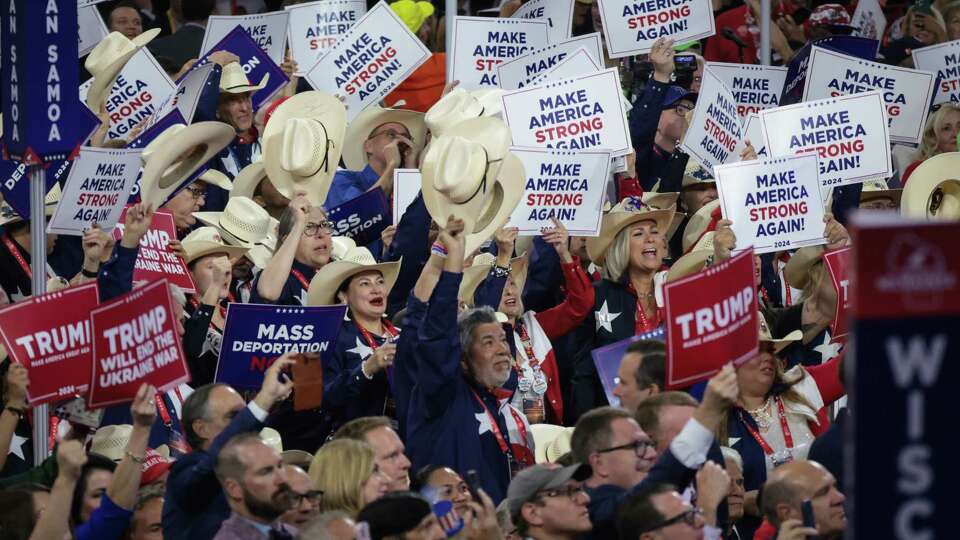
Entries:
{"x":451,"y":15}
{"x":765,"y":32}
{"x":38,"y":262}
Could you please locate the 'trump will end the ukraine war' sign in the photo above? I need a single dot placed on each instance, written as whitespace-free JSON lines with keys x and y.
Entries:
{"x":944,"y":60}
{"x":715,"y":132}
{"x":314,"y":27}
{"x":480,"y":44}
{"x":631,"y":26}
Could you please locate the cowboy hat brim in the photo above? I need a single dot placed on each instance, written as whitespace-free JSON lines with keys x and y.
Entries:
{"x":212,"y":219}
{"x":689,"y":264}
{"x":324,"y":285}
{"x":100,"y":87}
{"x":248,"y":87}
{"x":216,"y":178}
{"x":201,"y":248}
{"x":510,"y":179}
{"x":259,"y":255}
{"x":892,"y":194}
{"x":365,"y":123}
{"x":614,"y":222}
{"x":937,"y":172}
{"x":246,"y":182}
{"x":780,"y":344}
{"x":476,"y":274}
{"x":698,"y":224}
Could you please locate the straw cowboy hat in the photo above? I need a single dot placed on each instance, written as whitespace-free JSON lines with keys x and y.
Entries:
{"x":242,"y":223}
{"x":107,"y":59}
{"x":480,"y":269}
{"x":665,"y":201}
{"x":371,"y":118}
{"x":261,"y":253}
{"x":779,"y":344}
{"x":234,"y":81}
{"x":878,"y":189}
{"x":694,"y":261}
{"x":246,"y":181}
{"x":111,"y":441}
{"x":302,"y":143}
{"x":324,"y":285}
{"x":341,"y":246}
{"x":207,"y":241}
{"x":170,"y":160}
{"x":459,"y":105}
{"x":625,"y":213}
{"x":216,"y":178}
{"x":702,"y":221}
{"x":933,"y":191}
{"x":551,"y":441}
{"x":797,"y":269}
{"x":8,"y":215}
{"x":695,"y":174}
{"x":469,"y":173}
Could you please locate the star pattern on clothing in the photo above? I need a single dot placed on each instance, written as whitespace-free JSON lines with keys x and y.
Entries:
{"x":605,"y":318}
{"x":484,"y":420}
{"x":302,"y":297}
{"x":733,"y":441}
{"x":16,"y":446}
{"x":826,"y":349}
{"x":18,"y":296}
{"x":361,"y":350}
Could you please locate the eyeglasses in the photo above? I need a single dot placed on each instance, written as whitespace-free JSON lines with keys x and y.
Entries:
{"x":567,"y":491}
{"x":689,"y":517}
{"x":312,"y":497}
{"x":197,"y":192}
{"x":392,"y":135}
{"x":640,"y":447}
{"x":322,"y":228}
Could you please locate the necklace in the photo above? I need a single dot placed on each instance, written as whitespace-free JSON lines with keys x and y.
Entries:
{"x":762,"y":415}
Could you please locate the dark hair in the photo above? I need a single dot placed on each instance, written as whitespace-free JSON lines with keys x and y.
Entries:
{"x":227,"y":463}
{"x":95,"y":462}
{"x":653,"y":359}
{"x":593,"y":432}
{"x":422,"y":478}
{"x":648,"y":412}
{"x":168,"y":65}
{"x":16,"y":514}
{"x":121,"y":4}
{"x":638,"y":513}
{"x":777,"y":492}
{"x":197,"y":10}
{"x":195,"y":408}
{"x":358,"y":428}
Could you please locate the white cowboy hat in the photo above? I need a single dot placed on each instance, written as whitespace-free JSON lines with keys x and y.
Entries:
{"x":694,"y":261}
{"x":698,"y":224}
{"x":459,"y":105}
{"x":111,"y":441}
{"x":341,"y":246}
{"x":933,"y":189}
{"x":469,"y":173}
{"x":242,"y":223}
{"x":261,"y":253}
{"x":324,"y":285}
{"x":170,"y":160}
{"x":8,"y":215}
{"x":272,"y":438}
{"x":207,"y":241}
{"x":107,"y":59}
{"x":371,"y":118}
{"x":625,"y":213}
{"x":478,"y":271}
{"x":779,"y":344}
{"x":695,"y":174}
{"x":216,"y":178}
{"x":302,"y":143}
{"x":246,"y":181}
{"x":551,"y":441}
{"x":234,"y":81}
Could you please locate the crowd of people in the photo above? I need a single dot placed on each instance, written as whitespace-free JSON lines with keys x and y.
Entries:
{"x":460,"y":398}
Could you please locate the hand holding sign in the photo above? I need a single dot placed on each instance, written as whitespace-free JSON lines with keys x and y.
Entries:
{"x":135,"y":225}
{"x":722,"y":392}
{"x":277,"y":384}
{"x":16,"y":389}
{"x":836,"y":234}
{"x":558,"y":238}
{"x":144,"y":408}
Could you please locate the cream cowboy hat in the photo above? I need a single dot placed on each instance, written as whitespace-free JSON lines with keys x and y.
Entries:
{"x":797,"y":269}
{"x":261,"y":253}
{"x":246,"y":181}
{"x":779,"y":344}
{"x":480,"y":269}
{"x":234,"y":81}
{"x":302,"y":143}
{"x":272,"y":438}
{"x":8,"y":215}
{"x":216,"y":178}
{"x":694,"y":261}
{"x":665,"y":201}
{"x":368,"y":121}
{"x":459,"y":105}
{"x":111,"y":441}
{"x":933,"y":190}
{"x":341,"y":246}
{"x":107,"y":59}
{"x":698,"y":225}
{"x":551,"y":441}
{"x":625,"y":213}
{"x":170,"y":160}
{"x":324,"y":285}
{"x":878,"y":189}
{"x":207,"y":241}
{"x":242,"y":223}
{"x":469,"y":173}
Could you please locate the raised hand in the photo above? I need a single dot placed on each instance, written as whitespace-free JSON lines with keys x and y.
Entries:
{"x":661,"y":56}
{"x":724,"y":240}
{"x":277,"y":385}
{"x":836,"y":234}
{"x":559,"y":238}
{"x":144,"y":409}
{"x":135,"y":224}
{"x":70,"y":459}
{"x":17,"y":383}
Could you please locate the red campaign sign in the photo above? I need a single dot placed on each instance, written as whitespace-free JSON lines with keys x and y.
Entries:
{"x":135,"y":341}
{"x":155,"y":260}
{"x":838,"y":264}
{"x":711,"y":320}
{"x":50,"y":336}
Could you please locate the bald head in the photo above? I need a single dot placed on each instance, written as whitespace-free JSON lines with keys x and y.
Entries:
{"x":790,"y":484}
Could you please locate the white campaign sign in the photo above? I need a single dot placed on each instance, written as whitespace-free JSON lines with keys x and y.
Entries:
{"x":521,"y":71}
{"x":631,"y":26}
{"x":869,"y":20}
{"x":269,"y":30}
{"x":774,"y":204}
{"x":97,"y":188}
{"x":406,"y":186}
{"x":314,"y":27}
{"x":715,"y":131}
{"x":565,"y":185}
{"x":481,"y":43}
{"x":573,"y":114}
{"x":92,"y":28}
{"x":849,"y":134}
{"x":369,"y":61}
{"x":575,"y":65}
{"x":185,"y":96}
{"x":907,"y":92}
{"x":753,"y":132}
{"x":754,"y":87}
{"x":558,"y":13}
{"x":944,"y":60}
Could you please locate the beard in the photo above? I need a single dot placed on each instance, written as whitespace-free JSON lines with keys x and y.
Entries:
{"x":280,"y":502}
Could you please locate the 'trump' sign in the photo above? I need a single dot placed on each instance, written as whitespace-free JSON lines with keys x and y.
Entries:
{"x":480,"y":44}
{"x":631,"y":26}
{"x":314,"y":27}
{"x":838,"y":264}
{"x":155,"y":259}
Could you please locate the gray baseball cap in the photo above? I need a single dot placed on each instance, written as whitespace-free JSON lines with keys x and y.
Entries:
{"x":530,"y":481}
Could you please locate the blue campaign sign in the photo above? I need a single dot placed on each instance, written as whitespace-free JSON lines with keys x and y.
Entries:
{"x":362,"y":218}
{"x":254,"y":335}
{"x":43,"y":118}
{"x":858,"y":47}
{"x":255,"y":62}
{"x":607,"y":361}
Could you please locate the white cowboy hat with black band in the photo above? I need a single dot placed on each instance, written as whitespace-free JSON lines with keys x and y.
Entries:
{"x":933,"y":189}
{"x":242,"y":223}
{"x":207,"y":241}
{"x":107,"y":59}
{"x":779,"y":344}
{"x":625,"y":213}
{"x":324,"y":285}
{"x":234,"y":81}
{"x":368,"y":121}
{"x":246,"y":181}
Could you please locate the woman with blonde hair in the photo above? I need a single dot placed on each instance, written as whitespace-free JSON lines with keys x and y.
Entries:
{"x":939,"y":136}
{"x":346,"y":472}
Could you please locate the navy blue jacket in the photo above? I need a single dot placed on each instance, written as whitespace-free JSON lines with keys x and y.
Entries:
{"x":116,"y":275}
{"x":406,"y":362}
{"x":410,"y":244}
{"x":654,"y":163}
{"x":347,"y":392}
{"x":292,"y":291}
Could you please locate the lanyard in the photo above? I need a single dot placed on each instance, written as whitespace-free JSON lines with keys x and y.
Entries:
{"x":162,"y":407}
{"x":787,"y":435}
{"x":527,"y":348}
{"x":495,"y":429}
{"x":299,"y":275}
{"x":368,"y":337}
{"x":16,"y":255}
{"x":223,"y":311}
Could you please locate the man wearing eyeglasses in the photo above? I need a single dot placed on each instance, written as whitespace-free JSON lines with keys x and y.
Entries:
{"x":305,"y":499}
{"x":659,"y":512}
{"x":549,"y":502}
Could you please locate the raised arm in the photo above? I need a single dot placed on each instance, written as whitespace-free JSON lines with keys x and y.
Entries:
{"x":14,"y":406}
{"x":126,"y":479}
{"x":116,"y":275}
{"x":271,"y":280}
{"x":566,"y":316}
{"x":52,"y":524}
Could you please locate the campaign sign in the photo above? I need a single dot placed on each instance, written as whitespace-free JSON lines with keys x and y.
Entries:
{"x":50,"y":336}
{"x":520,"y":71}
{"x":754,"y":87}
{"x":711,"y":320}
{"x":575,"y":65}
{"x":184,"y":98}
{"x":255,"y":335}
{"x":775,"y":204}
{"x":135,"y":341}
{"x":868,"y":20}
{"x":91,"y":29}
{"x":849,"y":134}
{"x":797,"y":68}
{"x":631,"y":26}
{"x":565,"y":185}
{"x":557,"y":13}
{"x":406,"y":187}
{"x":155,"y":260}
{"x":838,"y":265}
{"x":607,"y":361}
{"x":43,"y":119}
{"x":96,"y":190}
{"x":314,"y":27}
{"x":253,"y":59}
{"x":901,"y":378}
{"x":753,"y":132}
{"x":715,"y":130}
{"x":944,"y":60}
{"x":480,"y":44}
{"x":15,"y":186}
{"x":268,"y":30}
{"x":573,"y":114}
{"x":369,"y":60}
{"x":362,"y":218}
{"x":907,"y":92}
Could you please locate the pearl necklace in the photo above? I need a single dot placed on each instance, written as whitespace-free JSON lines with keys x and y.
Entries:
{"x":761,"y":415}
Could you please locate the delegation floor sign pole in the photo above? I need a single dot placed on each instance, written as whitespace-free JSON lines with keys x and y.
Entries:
{"x":38,"y":262}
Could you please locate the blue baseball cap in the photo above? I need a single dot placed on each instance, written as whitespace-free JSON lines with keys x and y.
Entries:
{"x":675,"y":93}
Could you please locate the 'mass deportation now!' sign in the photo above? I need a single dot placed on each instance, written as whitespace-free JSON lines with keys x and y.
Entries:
{"x":522,"y":70}
{"x":572,"y":114}
{"x":775,"y":204}
{"x":631,"y":26}
{"x":314,"y":27}
{"x":568,"y":186}
{"x":849,"y":134}
{"x":944,"y":60}
{"x":480,"y":44}
{"x":96,"y":190}
{"x":369,"y":61}
{"x":715,"y":131}
{"x":754,"y":88}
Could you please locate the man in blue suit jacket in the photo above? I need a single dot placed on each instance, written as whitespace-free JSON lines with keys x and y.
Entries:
{"x":194,"y":506}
